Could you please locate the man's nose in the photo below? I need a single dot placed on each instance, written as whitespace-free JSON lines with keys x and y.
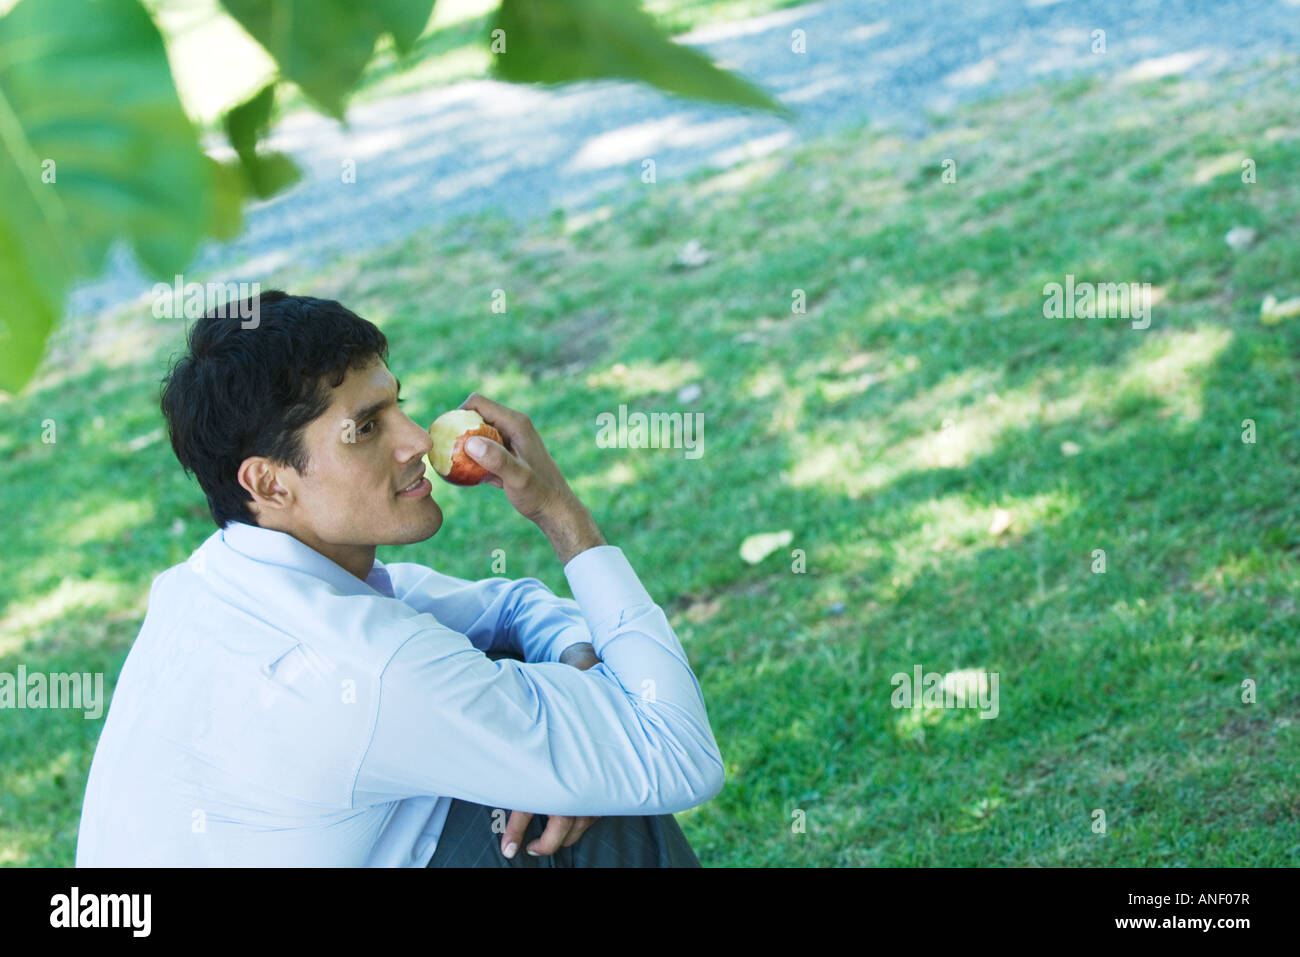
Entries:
{"x":420,"y":442}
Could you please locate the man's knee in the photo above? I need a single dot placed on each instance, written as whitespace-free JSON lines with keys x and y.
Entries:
{"x":633,"y":841}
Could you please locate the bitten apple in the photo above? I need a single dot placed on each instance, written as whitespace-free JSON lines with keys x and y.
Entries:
{"x":448,"y":456}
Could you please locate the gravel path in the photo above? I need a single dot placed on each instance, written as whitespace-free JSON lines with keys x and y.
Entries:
{"x":484,"y":145}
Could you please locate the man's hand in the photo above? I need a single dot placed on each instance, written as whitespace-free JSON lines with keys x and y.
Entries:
{"x":560,"y":831}
{"x":581,"y":655}
{"x":533,"y":483}
{"x":522,"y":467}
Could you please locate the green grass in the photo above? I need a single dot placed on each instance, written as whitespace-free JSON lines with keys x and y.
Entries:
{"x":1118,"y":691}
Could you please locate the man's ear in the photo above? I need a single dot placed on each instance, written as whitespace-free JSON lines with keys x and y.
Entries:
{"x":264,"y":480}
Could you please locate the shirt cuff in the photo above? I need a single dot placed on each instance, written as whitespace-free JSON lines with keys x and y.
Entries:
{"x":604,"y":584}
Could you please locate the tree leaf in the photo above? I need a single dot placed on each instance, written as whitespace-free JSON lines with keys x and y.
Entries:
{"x":273,"y":173}
{"x":755,"y":548}
{"x":404,"y":20}
{"x":263,"y":174}
{"x":94,"y":147}
{"x":324,"y":45}
{"x":228,"y":192}
{"x":556,"y":41}
{"x":247,"y":122}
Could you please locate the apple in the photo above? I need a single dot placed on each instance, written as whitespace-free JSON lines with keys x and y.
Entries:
{"x":448,"y":456}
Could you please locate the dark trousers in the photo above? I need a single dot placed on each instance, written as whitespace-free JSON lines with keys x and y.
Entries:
{"x":469,"y":839}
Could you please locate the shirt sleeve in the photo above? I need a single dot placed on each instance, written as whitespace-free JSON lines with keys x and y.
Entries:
{"x":629,"y":736}
{"x":521,"y":615}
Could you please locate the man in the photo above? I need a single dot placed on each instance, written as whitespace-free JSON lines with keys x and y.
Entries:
{"x":290,"y":700}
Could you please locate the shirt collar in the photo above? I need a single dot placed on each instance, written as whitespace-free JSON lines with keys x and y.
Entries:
{"x":280,"y":548}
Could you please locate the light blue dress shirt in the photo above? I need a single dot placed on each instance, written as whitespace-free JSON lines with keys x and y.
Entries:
{"x":277,"y":710}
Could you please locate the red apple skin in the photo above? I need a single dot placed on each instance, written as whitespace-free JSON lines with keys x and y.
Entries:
{"x":464,"y":470}
{"x":461,"y":470}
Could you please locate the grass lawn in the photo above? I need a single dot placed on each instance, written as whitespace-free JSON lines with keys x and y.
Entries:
{"x":922,"y":391}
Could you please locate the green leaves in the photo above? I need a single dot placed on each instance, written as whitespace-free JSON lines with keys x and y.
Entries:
{"x":404,"y":19}
{"x":323,"y":45}
{"x":556,"y":41}
{"x":265,"y":175}
{"x":94,"y":146}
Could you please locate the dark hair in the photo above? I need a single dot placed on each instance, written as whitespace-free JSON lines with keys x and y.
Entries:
{"x":251,"y":391}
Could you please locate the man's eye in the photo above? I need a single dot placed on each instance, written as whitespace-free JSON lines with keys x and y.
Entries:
{"x":366,"y":429}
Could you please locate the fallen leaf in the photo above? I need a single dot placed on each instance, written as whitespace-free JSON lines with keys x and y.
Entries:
{"x":1240,"y":237}
{"x":1002,"y":520}
{"x":692,"y":255}
{"x":1271,"y":312}
{"x":757,"y":547}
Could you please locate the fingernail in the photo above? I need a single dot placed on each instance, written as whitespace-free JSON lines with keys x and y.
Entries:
{"x":510,"y":849}
{"x":475,"y":446}
{"x":534,"y":854}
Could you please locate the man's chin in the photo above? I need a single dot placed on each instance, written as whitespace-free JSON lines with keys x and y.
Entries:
{"x":420,"y":530}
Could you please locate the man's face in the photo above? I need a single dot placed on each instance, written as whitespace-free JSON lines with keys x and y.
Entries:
{"x":361,"y":454}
